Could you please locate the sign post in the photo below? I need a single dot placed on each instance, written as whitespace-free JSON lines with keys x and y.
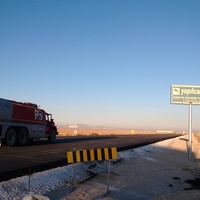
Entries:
{"x":186,"y":95}
{"x":92,"y":155}
{"x":190,"y":131}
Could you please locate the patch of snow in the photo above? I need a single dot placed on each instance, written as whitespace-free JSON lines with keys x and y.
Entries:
{"x":46,"y":181}
{"x":43,"y":182}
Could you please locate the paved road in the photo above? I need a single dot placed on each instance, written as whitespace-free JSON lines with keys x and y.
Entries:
{"x":40,"y":155}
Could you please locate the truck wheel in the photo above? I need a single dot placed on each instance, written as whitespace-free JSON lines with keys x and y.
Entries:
{"x":52,"y":137}
{"x":11,"y":137}
{"x":22,"y":137}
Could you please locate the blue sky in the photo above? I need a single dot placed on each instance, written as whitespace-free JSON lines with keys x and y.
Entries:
{"x":106,"y":63}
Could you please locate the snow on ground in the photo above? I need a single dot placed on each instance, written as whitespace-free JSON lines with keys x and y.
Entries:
{"x":43,"y":182}
{"x":46,"y":181}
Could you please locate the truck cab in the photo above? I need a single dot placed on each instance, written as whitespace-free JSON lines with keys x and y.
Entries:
{"x":51,"y":129}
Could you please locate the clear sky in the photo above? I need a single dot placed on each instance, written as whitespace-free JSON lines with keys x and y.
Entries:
{"x":102,"y":62}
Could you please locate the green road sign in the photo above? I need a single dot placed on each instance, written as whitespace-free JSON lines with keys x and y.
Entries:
{"x":185,"y":94}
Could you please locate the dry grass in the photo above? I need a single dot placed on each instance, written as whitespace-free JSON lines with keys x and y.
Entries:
{"x":75,"y":132}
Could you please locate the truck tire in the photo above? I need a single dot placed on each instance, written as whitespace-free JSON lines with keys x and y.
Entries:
{"x":52,"y":137}
{"x":11,"y":137}
{"x":22,"y":137}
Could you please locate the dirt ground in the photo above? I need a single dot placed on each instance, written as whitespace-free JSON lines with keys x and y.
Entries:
{"x":157,"y":171}
{"x":75,"y":132}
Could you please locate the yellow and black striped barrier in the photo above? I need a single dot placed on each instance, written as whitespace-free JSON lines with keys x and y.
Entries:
{"x":91,"y":155}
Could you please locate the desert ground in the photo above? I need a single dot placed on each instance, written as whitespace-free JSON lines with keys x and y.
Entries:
{"x":101,"y":131}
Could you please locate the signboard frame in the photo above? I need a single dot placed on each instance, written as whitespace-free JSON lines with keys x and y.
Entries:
{"x":185,"y":94}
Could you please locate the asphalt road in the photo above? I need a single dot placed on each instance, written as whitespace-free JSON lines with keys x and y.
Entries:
{"x":40,"y":155}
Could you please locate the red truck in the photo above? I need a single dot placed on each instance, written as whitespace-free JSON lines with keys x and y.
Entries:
{"x":22,"y":122}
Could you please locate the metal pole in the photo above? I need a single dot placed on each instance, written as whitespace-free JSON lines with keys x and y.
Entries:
{"x":108,"y":180}
{"x":73,"y":174}
{"x":29,"y":180}
{"x":190,"y":130}
{"x":73,"y":169}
